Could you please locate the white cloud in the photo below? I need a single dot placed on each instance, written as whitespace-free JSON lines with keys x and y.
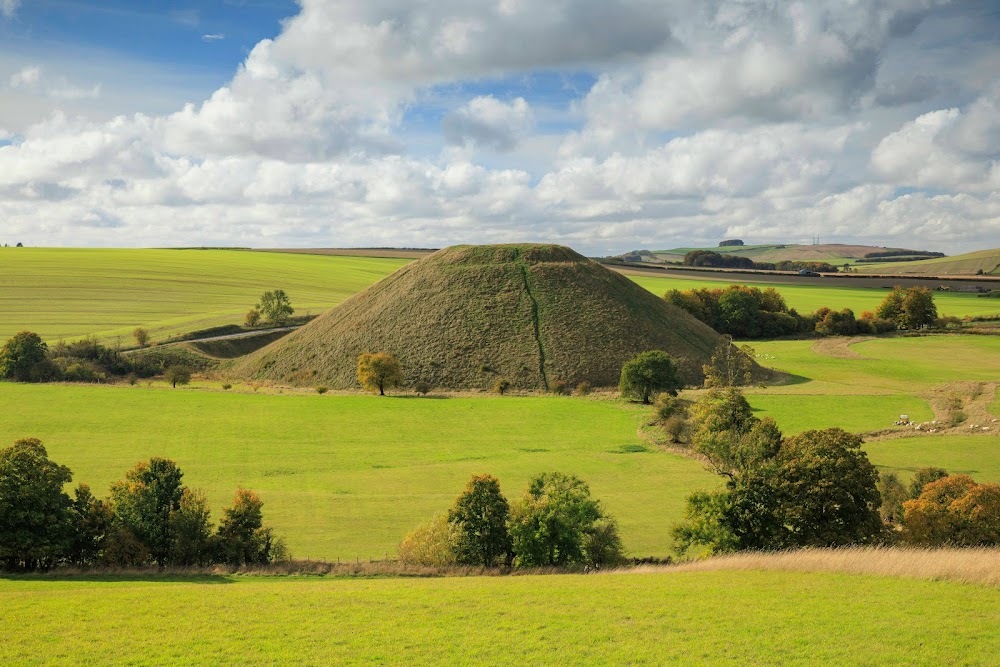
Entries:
{"x":214,"y":37}
{"x":9,"y":7}
{"x":359,"y":124}
{"x":488,"y":122}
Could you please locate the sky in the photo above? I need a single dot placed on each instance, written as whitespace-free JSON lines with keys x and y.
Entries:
{"x":606,"y":125}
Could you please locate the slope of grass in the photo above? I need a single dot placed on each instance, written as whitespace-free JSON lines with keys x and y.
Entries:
{"x":348,"y":476}
{"x":809,"y":298}
{"x":67,"y":293}
{"x":738,"y":618}
{"x":974,"y":455}
{"x":466,"y":315}
{"x":987,"y":261}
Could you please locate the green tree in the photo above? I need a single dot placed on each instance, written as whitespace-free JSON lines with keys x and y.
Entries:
{"x":20,"y":354}
{"x":918,"y":309}
{"x":379,"y":371}
{"x":252,"y":319}
{"x":92,"y":520}
{"x":190,"y":531}
{"x":893,"y":494}
{"x":242,"y":537}
{"x":144,"y":501}
{"x":550,"y":524}
{"x":923,"y":477}
{"x":275,"y":307}
{"x":177,"y":374}
{"x":480,"y":516}
{"x":648,"y":374}
{"x":891,"y":307}
{"x":35,"y":529}
{"x":729,"y":366}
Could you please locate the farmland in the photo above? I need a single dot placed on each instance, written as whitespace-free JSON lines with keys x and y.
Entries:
{"x":69,"y":293}
{"x":762,"y":618}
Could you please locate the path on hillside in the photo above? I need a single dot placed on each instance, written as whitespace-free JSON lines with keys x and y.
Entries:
{"x":206,"y":339}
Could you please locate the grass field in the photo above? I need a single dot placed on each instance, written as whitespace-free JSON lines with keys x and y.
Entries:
{"x":977,"y":456}
{"x":730,"y":618}
{"x":67,"y":293}
{"x":808,"y":299}
{"x":987,"y":261}
{"x":348,"y":476}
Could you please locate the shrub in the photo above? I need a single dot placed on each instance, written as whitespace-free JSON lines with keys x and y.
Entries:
{"x":141,"y":336}
{"x":431,"y":543}
{"x":227,"y":386}
{"x":321,"y":390}
{"x":677,"y":429}
{"x":177,"y":374}
{"x":583,"y":389}
{"x":501,"y":386}
{"x":252,"y":319}
{"x":559,"y":388}
{"x":422,"y":388}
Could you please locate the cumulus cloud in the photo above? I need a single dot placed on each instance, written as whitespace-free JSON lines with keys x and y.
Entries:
{"x":704,"y":120}
{"x":487,"y":122}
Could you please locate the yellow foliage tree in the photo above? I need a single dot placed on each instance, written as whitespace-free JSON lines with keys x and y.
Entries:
{"x":379,"y":371}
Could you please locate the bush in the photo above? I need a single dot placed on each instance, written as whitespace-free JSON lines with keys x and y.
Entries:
{"x":227,"y":386}
{"x":321,"y":390}
{"x":432,"y":543}
{"x":583,"y":389}
{"x":422,"y":388}
{"x":501,"y":386}
{"x":559,"y":388}
{"x":677,"y":429}
{"x":177,"y":374}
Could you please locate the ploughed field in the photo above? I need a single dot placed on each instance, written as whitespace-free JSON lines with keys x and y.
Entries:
{"x":734,"y":617}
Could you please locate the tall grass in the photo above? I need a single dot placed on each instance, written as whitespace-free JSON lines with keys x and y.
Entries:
{"x":967,"y":566}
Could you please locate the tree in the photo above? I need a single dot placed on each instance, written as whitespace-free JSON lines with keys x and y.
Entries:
{"x":21,"y":354}
{"x":275,"y":307}
{"x":956,"y":511}
{"x":550,"y":524}
{"x":893,"y":495}
{"x":190,"y":531}
{"x":141,"y":336}
{"x":177,"y":374}
{"x":91,"y":520}
{"x":242,"y":537}
{"x":35,"y":530}
{"x":480,"y":517}
{"x":379,"y":371}
{"x":729,"y":366}
{"x":649,"y":374}
{"x":923,"y":477}
{"x":918,"y":309}
{"x":144,"y":501}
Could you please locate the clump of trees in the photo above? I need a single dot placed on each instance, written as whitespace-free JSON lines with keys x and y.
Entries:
{"x":814,"y":489}
{"x":742,"y":311}
{"x":952,"y":510}
{"x":150,"y":518}
{"x":25,"y":357}
{"x":379,"y":371}
{"x":555,"y":524}
{"x":649,"y":374}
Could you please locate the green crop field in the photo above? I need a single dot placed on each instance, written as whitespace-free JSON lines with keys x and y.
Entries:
{"x":734,"y":618}
{"x":68,"y":293}
{"x":348,"y":476}
{"x":987,"y":261}
{"x":808,"y":298}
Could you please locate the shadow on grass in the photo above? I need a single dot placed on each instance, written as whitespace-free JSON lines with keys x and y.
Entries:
{"x":439,"y":397}
{"x":913,"y":469}
{"x":93,"y":576}
{"x":788,"y":379}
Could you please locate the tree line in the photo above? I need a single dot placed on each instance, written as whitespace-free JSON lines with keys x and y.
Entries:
{"x":150,"y":518}
{"x":712,"y":259}
{"x":743,"y":311}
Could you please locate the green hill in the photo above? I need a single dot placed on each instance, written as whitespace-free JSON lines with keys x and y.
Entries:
{"x":466,"y":315}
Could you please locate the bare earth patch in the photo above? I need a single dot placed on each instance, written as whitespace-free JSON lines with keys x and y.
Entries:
{"x":839,"y":347}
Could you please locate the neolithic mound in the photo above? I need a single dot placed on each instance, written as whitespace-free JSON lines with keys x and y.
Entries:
{"x":467,"y":315}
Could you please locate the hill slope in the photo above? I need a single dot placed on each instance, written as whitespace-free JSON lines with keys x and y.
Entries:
{"x":834,"y":253}
{"x":987,"y":261}
{"x":466,"y":315}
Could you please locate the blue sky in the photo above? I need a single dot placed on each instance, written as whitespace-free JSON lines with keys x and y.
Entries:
{"x":606,"y":125}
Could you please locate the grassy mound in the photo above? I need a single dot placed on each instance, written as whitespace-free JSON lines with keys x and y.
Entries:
{"x":467,"y":315}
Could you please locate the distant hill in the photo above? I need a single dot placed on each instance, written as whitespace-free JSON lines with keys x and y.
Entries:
{"x":467,"y":315}
{"x":987,"y":261}
{"x":833,"y":253}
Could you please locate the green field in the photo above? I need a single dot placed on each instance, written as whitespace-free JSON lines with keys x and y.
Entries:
{"x":987,"y":261}
{"x":348,"y":476}
{"x":808,"y":298}
{"x":731,"y":618}
{"x":977,"y":456}
{"x":67,"y":293}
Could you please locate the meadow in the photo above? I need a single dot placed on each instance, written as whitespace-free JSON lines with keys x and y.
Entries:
{"x":722,"y":617}
{"x":69,"y":292}
{"x":346,"y":476}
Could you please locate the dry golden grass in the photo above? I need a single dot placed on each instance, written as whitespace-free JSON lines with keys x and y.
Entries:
{"x":968,"y":566}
